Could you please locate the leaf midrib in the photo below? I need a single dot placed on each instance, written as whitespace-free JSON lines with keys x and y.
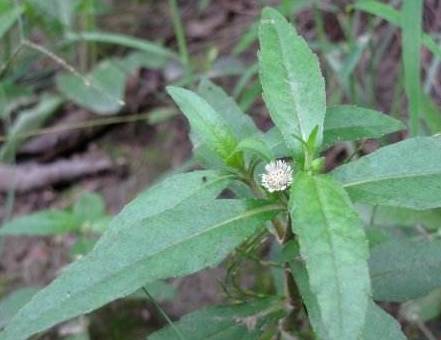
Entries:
{"x":190,"y":194}
{"x":290,"y":80}
{"x":334,"y":264}
{"x":380,"y":127}
{"x":214,"y":126}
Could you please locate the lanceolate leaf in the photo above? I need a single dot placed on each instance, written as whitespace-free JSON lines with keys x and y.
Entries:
{"x":46,"y":222}
{"x":424,"y":308}
{"x":28,"y":121}
{"x":90,"y":207}
{"x":432,"y":113}
{"x":391,"y":217}
{"x":378,"y":324}
{"x":406,"y":174}
{"x":152,"y":49}
{"x":334,"y":248}
{"x":273,"y":138}
{"x":257,"y":146}
{"x":309,"y":298}
{"x":411,"y":25}
{"x":208,"y":127}
{"x":10,"y":304}
{"x":381,"y":325}
{"x":403,"y":270}
{"x":8,"y":18}
{"x":293,"y":87}
{"x":348,"y":123}
{"x":393,"y":16}
{"x":197,"y":185}
{"x":241,"y":321}
{"x":175,"y":242}
{"x":159,"y":290}
{"x":104,"y":94}
{"x":240,"y":123}
{"x":342,"y":123}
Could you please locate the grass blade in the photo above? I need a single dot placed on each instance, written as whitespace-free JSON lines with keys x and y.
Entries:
{"x":393,"y":16}
{"x":411,"y":23}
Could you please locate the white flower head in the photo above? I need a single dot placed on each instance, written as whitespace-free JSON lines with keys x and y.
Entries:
{"x":278,"y":176}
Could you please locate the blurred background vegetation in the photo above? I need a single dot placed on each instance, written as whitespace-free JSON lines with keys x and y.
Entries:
{"x":85,"y":124}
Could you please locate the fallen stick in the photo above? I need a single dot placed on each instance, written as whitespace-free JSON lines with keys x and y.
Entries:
{"x":49,"y":145}
{"x":28,"y":177}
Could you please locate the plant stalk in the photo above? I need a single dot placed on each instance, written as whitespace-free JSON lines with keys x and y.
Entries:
{"x":180,"y":35}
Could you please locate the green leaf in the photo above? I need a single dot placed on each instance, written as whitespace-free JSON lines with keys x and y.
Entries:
{"x":10,"y":304}
{"x":11,"y":95}
{"x":148,"y":249}
{"x":154,"y":50}
{"x":378,"y":324}
{"x":273,"y":138}
{"x":135,"y":60}
{"x":42,"y":223}
{"x":334,"y":248}
{"x":431,"y":113}
{"x":238,"y":122}
{"x":257,"y":146}
{"x":402,"y":270}
{"x":104,"y":94}
{"x":405,"y":174}
{"x":28,"y":121}
{"x":209,"y":127}
{"x":196,"y":185}
{"x":83,"y":245}
{"x":291,"y":253}
{"x":381,"y":325}
{"x":293,"y":87}
{"x":393,"y":16}
{"x":342,"y":123}
{"x":411,"y":23}
{"x":350,"y":123}
{"x":89,"y":208}
{"x":287,"y":8}
{"x":159,"y":290}
{"x":55,"y":13}
{"x":379,"y":9}
{"x":391,"y":217}
{"x":8,"y":19}
{"x":422,"y":309}
{"x":343,"y":60}
{"x":240,"y":321}
{"x":250,"y":95}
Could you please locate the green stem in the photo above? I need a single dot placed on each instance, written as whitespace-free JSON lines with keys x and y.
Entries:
{"x":412,"y":12}
{"x":163,"y":313}
{"x":20,"y":22}
{"x":180,"y":35}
